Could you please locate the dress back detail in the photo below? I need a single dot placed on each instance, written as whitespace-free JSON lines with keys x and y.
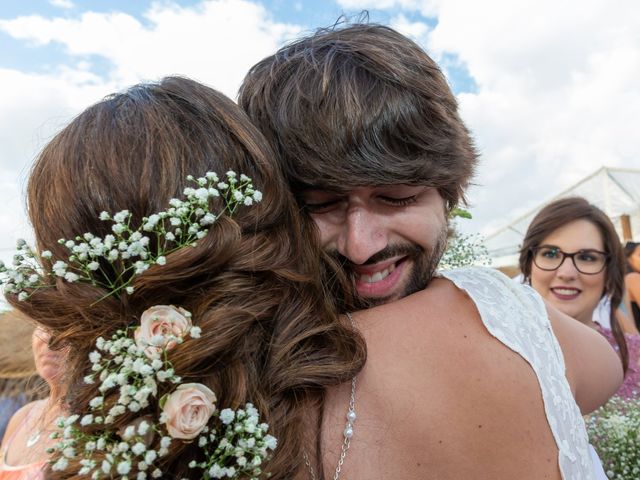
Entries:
{"x":516,"y":316}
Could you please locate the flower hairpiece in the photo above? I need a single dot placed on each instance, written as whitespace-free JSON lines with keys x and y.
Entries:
{"x":231,"y":443}
{"x":182,"y":224}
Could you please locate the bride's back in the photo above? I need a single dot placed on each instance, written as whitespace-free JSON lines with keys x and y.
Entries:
{"x":440,"y":398}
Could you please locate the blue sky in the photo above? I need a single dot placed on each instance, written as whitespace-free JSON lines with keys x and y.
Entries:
{"x":30,"y":57}
{"x":550,"y":90}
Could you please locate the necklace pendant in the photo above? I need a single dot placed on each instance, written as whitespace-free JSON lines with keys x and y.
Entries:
{"x":33,"y":439}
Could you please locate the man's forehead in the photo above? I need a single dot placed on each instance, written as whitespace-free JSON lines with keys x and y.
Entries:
{"x":344,"y":188}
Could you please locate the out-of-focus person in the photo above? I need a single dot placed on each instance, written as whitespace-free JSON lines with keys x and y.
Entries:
{"x":23,"y":453}
{"x":19,"y":383}
{"x":572,"y":256}
{"x":632,"y":281}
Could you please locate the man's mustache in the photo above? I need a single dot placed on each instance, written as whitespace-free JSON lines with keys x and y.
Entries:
{"x":405,"y":250}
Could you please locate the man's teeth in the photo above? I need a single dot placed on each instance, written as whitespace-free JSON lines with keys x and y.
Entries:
{"x":376,"y":277}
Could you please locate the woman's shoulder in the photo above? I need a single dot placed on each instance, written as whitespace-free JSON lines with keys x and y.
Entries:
{"x":632,"y":279}
{"x":19,"y":417}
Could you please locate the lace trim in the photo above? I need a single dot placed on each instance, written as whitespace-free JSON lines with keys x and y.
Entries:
{"x":516,"y":316}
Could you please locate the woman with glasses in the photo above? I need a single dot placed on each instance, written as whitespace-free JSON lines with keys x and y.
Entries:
{"x":571,"y":255}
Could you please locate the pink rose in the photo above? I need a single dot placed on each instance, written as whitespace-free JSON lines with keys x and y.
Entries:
{"x":160,"y":326}
{"x":188,"y":410}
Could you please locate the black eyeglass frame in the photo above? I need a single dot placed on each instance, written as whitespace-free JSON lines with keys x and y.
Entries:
{"x":565,"y":255}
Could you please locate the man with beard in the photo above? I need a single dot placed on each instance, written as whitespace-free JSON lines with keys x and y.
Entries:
{"x":465,"y":377}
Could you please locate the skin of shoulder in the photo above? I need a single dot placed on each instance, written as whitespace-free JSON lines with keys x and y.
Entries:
{"x":17,"y":419}
{"x":593,"y":368}
{"x":632,"y":284}
{"x":436,"y":395}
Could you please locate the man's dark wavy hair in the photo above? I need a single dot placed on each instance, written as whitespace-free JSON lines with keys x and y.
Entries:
{"x":360,"y":104}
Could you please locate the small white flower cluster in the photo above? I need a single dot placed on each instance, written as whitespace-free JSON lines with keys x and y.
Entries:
{"x":181,"y":225}
{"x":234,"y":444}
{"x":122,"y":366}
{"x":614,"y":431}
{"x":25,"y":274}
{"x":239,"y":449}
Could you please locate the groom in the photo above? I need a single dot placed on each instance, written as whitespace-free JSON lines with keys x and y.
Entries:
{"x":368,"y":134}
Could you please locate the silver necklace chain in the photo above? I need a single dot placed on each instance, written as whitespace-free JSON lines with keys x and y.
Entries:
{"x":347,"y":432}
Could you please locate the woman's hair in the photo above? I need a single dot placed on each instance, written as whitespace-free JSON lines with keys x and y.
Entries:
{"x":629,"y":248}
{"x":558,"y":214}
{"x":253,"y":284}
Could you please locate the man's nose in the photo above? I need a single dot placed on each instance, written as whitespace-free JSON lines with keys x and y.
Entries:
{"x":361,"y":236}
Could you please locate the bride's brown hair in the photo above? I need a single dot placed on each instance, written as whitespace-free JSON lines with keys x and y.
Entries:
{"x":254,"y":284}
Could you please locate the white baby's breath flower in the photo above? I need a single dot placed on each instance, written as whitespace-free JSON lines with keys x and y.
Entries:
{"x":106,"y":467}
{"x":71,"y":277}
{"x":150,"y":456}
{"x":124,"y":467}
{"x":129,"y":432}
{"x":104,"y":216}
{"x":238,"y":196}
{"x":208,"y":219}
{"x":59,"y":268}
{"x":121,"y":216}
{"x":138,"y":448}
{"x":60,"y":465}
{"x":195,"y":332}
{"x":86,"y":420}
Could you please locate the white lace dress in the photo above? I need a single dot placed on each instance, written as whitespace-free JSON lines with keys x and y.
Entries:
{"x":516,"y":316}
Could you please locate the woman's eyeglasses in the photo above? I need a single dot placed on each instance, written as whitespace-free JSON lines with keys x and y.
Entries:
{"x":588,"y":261}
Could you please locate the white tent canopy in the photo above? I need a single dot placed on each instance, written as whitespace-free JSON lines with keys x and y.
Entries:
{"x":614,"y":190}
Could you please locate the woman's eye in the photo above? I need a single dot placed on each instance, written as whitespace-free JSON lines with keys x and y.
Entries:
{"x":549,"y":252}
{"x":588,"y":257}
{"x":399,"y":202}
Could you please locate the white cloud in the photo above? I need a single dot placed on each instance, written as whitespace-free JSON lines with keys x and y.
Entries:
{"x":558,"y":92}
{"x":381,"y":4}
{"x":62,"y":3}
{"x":417,"y":31}
{"x":215,"y":41}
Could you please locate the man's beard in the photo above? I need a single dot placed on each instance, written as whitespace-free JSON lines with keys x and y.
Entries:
{"x":425,"y":262}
